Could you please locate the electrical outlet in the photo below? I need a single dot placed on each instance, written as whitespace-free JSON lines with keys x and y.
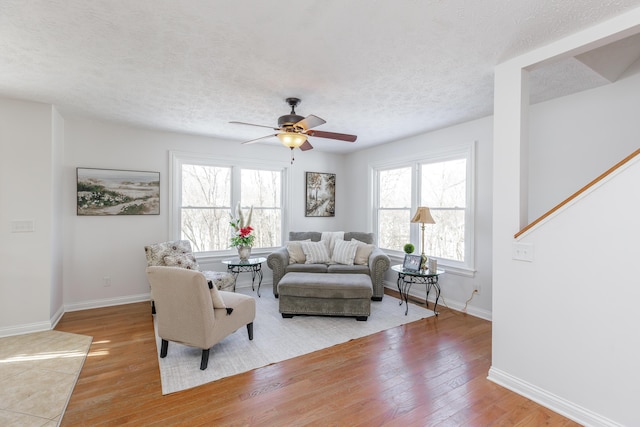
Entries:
{"x":106,"y":281}
{"x":522,"y":252}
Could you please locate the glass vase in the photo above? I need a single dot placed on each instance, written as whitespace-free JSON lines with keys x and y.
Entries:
{"x":244,"y":252}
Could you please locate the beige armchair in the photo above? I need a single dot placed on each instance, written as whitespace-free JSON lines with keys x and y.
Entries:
{"x":191,"y":313}
{"x":178,"y":253}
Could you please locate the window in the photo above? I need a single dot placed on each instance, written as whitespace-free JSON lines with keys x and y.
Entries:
{"x":205,"y":207}
{"x":262,"y":190}
{"x":394,"y":211}
{"x":442,"y":181}
{"x":206,"y":191}
{"x":444,"y":186}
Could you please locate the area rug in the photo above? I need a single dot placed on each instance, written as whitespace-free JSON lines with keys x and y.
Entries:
{"x":38,"y":372}
{"x":275,"y":339}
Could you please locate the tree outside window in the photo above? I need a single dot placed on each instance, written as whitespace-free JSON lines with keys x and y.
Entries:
{"x":441,"y":181}
{"x":206,"y":203}
{"x":444,"y":191}
{"x":394,"y":207}
{"x":207,"y":196}
{"x":261,"y":189}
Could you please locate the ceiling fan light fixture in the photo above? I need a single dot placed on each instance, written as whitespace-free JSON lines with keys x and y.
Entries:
{"x":292,"y":139}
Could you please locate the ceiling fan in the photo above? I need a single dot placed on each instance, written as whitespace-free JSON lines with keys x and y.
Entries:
{"x":293,"y":129}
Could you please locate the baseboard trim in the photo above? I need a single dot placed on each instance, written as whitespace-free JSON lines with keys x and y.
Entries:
{"x":56,"y":317}
{"x":85,"y":305}
{"x":452,"y":304}
{"x":549,"y":400}
{"x":28,"y":328}
{"x":107,"y":302}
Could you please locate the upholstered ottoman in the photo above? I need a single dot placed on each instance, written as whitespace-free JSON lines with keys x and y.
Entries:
{"x":326,"y":294}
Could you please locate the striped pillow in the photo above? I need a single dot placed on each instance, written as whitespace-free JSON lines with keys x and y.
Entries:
{"x":315,"y":252}
{"x":344,"y":252}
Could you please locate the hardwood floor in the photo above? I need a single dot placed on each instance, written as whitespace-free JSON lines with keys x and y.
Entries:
{"x":427,"y":373}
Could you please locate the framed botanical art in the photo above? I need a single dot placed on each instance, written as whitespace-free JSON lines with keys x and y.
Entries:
{"x":117,"y":192}
{"x":320,"y":194}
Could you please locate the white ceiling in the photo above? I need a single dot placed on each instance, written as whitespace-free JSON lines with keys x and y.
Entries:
{"x":381,"y":69}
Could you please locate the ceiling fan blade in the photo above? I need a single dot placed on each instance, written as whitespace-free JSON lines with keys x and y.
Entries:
{"x":306,"y":146}
{"x":258,"y":139}
{"x":311,"y":121}
{"x":332,"y":135}
{"x":251,"y":124}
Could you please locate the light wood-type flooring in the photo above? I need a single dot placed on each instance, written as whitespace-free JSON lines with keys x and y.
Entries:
{"x":428,"y":373}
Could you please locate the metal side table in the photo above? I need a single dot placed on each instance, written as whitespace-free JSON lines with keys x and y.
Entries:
{"x":252,"y":265}
{"x":406,"y":278}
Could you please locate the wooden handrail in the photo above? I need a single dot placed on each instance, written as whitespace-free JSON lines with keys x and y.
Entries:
{"x":579,"y":192}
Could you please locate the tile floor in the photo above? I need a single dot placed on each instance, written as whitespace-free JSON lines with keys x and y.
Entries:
{"x":37,"y":374}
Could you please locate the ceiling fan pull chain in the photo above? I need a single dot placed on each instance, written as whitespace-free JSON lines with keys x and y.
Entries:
{"x":292,"y":159}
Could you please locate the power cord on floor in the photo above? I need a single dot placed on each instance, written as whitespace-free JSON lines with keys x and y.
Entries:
{"x":464,"y":309}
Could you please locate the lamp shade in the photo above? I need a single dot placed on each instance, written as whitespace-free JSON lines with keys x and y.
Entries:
{"x":292,"y":139}
{"x":423,"y":216}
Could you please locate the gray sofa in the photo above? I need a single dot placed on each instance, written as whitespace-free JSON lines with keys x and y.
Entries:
{"x":377,"y":264}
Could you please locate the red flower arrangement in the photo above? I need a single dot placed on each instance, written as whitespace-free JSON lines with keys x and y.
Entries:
{"x":243,"y":236}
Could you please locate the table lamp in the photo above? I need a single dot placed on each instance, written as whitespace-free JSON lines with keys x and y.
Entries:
{"x":423,"y":216}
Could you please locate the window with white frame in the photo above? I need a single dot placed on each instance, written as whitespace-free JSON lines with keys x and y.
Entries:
{"x":442,"y":181}
{"x":206,"y":191}
{"x":444,"y":190}
{"x":394,"y":207}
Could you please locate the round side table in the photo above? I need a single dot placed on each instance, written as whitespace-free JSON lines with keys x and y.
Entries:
{"x":252,"y":265}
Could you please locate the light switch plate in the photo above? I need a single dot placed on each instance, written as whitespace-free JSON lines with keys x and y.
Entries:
{"x":23,"y":226}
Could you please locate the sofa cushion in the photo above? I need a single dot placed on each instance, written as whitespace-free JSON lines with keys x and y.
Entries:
{"x":306,"y":268}
{"x":313,"y":236}
{"x":348,"y":269}
{"x":333,"y":286}
{"x":363,"y":237}
{"x":344,"y":252}
{"x":362,"y":253}
{"x":315,"y":252}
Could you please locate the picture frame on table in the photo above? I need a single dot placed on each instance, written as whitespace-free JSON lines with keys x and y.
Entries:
{"x":411,"y":262}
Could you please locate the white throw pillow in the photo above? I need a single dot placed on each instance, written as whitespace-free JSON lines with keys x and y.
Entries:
{"x":296,"y":254}
{"x":363,"y":252}
{"x":344,"y":252}
{"x":315,"y":252}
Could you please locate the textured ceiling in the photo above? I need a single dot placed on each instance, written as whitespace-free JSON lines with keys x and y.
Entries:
{"x":383,"y":70}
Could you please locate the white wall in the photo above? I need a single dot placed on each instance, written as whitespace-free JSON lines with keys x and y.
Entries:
{"x":577,"y":345}
{"x":100,"y":246}
{"x":28,"y":289}
{"x":57,"y":232}
{"x":456,"y":289}
{"x":575,"y":138}
{"x":564,"y":325}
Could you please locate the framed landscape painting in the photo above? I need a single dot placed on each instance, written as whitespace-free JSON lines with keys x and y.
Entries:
{"x":321,"y":194}
{"x":117,"y":192}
